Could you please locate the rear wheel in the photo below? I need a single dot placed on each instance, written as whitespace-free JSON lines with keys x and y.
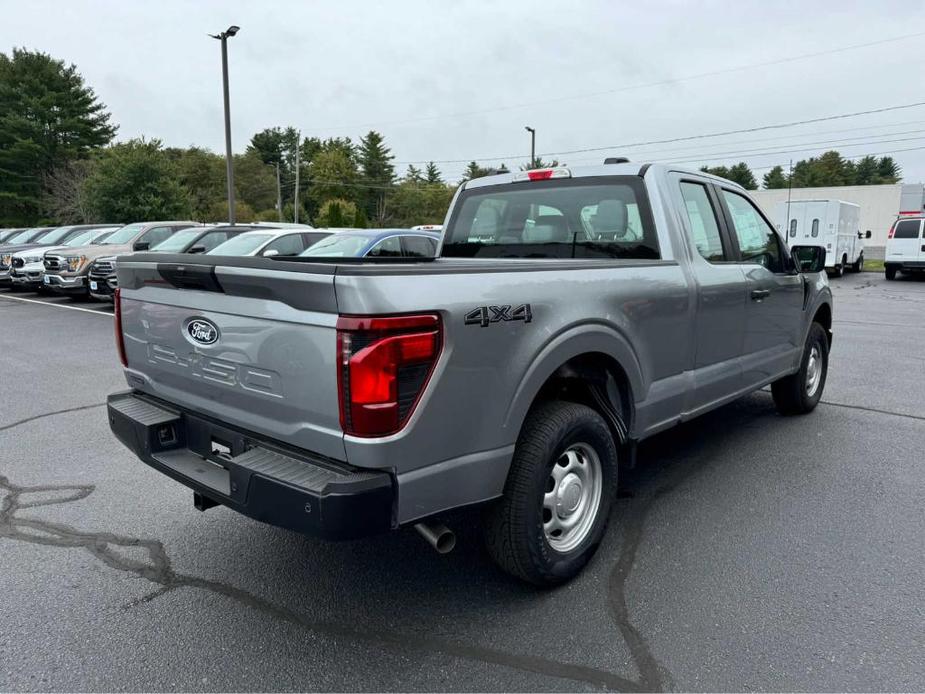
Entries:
{"x":858,"y":265}
{"x":557,"y":497}
{"x":890,"y":272}
{"x":799,"y":393}
{"x":838,"y":271}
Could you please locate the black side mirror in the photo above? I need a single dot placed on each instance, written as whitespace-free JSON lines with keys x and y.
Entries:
{"x":142,"y":246}
{"x":197,"y":249}
{"x":860,"y":235}
{"x":867,"y":235}
{"x":809,"y":258}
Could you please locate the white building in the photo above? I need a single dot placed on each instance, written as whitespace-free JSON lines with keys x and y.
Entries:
{"x":879,"y":205}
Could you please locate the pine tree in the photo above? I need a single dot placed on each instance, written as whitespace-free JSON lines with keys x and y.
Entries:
{"x":775,"y":178}
{"x":376,"y":169}
{"x":413,"y":174}
{"x":432,"y":173}
{"x":48,"y":117}
{"x":889,"y":171}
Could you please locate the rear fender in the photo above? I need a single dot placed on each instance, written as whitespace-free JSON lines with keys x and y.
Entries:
{"x":571,"y":343}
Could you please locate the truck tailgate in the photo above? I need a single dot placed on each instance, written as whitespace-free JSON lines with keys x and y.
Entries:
{"x":258,"y":354}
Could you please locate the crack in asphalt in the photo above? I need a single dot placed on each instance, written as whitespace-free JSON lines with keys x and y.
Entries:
{"x":863,"y":408}
{"x":158,"y":570}
{"x":50,"y":414}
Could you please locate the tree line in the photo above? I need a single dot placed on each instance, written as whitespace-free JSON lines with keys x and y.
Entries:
{"x":60,"y":164}
{"x":829,"y":169}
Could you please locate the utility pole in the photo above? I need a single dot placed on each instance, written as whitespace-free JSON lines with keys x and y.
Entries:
{"x":279,"y":195}
{"x":223,"y":37}
{"x":532,"y":132}
{"x":789,"y":189}
{"x":295,"y":212}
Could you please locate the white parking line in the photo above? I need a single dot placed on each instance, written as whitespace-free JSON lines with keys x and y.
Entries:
{"x":48,"y":303}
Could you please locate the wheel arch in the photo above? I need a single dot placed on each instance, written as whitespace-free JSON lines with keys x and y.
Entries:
{"x":823,"y":316}
{"x":596,"y":367}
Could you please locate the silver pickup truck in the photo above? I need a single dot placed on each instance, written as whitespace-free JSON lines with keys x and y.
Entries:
{"x":570,"y":314}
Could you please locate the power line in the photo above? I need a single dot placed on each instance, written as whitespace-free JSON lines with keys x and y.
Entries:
{"x":702,"y":136}
{"x":616,"y":90}
{"x":764,"y":151}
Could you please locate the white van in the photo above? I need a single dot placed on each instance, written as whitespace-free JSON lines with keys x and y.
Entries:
{"x":905,"y":247}
{"x":832,"y":224}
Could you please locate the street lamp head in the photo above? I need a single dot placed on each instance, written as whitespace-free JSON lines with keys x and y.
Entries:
{"x":529,"y":129}
{"x":232,"y":30}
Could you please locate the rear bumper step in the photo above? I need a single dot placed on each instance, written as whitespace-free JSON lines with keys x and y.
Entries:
{"x":229,"y":467}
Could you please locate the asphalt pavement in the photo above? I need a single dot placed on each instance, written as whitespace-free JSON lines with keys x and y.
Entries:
{"x":746,"y":551}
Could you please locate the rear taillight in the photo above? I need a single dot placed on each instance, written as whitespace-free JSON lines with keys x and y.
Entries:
{"x":117,"y":322}
{"x":383,"y":366}
{"x":892,"y":231}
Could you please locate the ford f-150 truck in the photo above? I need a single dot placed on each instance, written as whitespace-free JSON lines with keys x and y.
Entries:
{"x":571,"y":313}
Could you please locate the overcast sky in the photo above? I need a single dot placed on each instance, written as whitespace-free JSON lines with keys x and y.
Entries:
{"x":460,"y":80}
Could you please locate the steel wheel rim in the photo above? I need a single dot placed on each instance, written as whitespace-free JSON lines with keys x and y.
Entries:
{"x":572,"y":497}
{"x":813,"y":371}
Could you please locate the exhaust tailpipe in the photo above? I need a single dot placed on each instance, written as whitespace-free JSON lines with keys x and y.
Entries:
{"x":440,"y":537}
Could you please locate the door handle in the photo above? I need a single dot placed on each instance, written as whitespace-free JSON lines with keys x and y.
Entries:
{"x":759,"y":294}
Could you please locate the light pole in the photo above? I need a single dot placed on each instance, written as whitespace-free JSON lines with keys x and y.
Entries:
{"x":532,"y":132}
{"x":223,"y":37}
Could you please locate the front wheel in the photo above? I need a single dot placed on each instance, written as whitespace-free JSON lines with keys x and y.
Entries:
{"x":799,"y":393}
{"x":557,"y":497}
{"x":858,"y":265}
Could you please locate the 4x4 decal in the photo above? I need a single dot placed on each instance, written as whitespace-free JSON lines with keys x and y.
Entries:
{"x":486,"y":315}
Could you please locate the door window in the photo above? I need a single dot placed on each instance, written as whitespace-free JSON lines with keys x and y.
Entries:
{"x":212,"y":239}
{"x":154,"y":236}
{"x":419,"y":246}
{"x":387,"y":248}
{"x":757,"y":241}
{"x":291,"y":244}
{"x":907,"y":229}
{"x":704,"y":226}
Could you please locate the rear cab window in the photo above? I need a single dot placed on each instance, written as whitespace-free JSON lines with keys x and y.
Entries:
{"x":601,"y":217}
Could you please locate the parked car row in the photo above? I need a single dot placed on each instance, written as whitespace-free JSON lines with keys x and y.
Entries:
{"x":80,"y":260}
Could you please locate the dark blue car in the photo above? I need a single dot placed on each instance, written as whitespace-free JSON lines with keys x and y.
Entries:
{"x":376,"y":243}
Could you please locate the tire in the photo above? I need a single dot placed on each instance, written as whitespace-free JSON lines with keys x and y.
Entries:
{"x":794,"y":394}
{"x":890,"y":272}
{"x":858,"y":265}
{"x":513,"y":526}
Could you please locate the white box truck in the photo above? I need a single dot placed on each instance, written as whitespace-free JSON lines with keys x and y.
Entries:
{"x":832,"y":224}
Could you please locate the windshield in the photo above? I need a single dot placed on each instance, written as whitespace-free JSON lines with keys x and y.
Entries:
{"x":125,"y":234}
{"x":245,"y":244}
{"x":178,"y":241}
{"x":56,"y":235}
{"x":27,"y":235}
{"x":340,"y":246}
{"x":565,"y":218}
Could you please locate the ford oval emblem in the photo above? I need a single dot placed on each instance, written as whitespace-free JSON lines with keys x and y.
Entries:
{"x":202,"y":331}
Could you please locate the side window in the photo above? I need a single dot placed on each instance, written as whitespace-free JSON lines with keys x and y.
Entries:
{"x":907,"y":229}
{"x":419,"y":246}
{"x":387,"y":248}
{"x":793,"y":228}
{"x":291,"y":244}
{"x":212,"y":239}
{"x":154,"y":236}
{"x":704,"y":225}
{"x":815,"y":231}
{"x":757,"y":241}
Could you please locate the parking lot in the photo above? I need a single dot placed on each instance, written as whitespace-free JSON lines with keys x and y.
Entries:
{"x":746,"y":551}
